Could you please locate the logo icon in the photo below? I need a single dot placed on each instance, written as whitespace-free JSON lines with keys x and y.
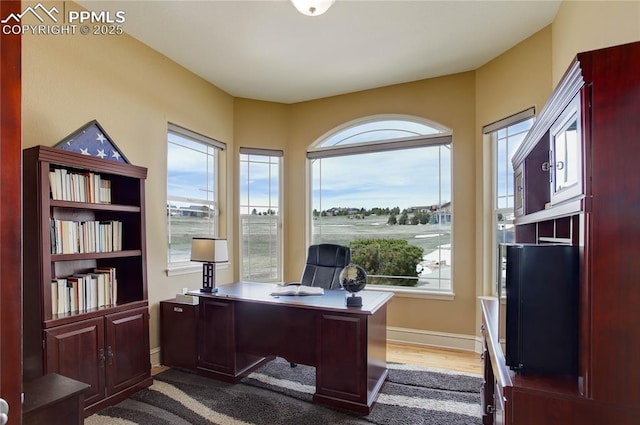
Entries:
{"x":38,"y":11}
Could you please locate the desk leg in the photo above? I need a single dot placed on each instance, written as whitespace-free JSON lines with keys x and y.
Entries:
{"x":351,"y":360}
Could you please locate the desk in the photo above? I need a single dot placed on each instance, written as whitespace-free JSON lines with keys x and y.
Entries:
{"x":242,"y":326}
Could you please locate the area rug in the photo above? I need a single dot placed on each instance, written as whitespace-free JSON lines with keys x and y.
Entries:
{"x":279,"y":394}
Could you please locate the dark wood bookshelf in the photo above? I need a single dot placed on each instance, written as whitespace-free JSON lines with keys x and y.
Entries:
{"x":597,"y":211}
{"x":106,"y":347}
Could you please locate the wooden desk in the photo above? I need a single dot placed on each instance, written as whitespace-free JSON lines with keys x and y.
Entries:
{"x":243,"y":326}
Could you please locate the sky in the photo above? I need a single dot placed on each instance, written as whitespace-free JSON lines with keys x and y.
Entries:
{"x":400,"y":178}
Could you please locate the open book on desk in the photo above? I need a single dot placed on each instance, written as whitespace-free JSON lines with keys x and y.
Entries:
{"x":295,"y":288}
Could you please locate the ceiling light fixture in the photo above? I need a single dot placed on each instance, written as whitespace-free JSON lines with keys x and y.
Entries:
{"x":312,"y":7}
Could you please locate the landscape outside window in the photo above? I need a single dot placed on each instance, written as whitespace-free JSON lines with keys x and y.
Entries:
{"x":260,"y":225}
{"x":383,"y":188}
{"x":191,"y":193}
{"x":506,"y":141}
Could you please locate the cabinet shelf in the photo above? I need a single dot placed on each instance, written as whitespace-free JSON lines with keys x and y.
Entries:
{"x":67,"y":318}
{"x":96,"y":207}
{"x":96,"y":255}
{"x":563,"y":210}
{"x":545,"y":239}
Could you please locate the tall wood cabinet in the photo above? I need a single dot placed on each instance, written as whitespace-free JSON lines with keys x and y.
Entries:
{"x":578,"y":183}
{"x":105,"y":346}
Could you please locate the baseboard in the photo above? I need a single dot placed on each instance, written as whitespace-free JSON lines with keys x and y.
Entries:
{"x":155,"y":357}
{"x":435,"y":339}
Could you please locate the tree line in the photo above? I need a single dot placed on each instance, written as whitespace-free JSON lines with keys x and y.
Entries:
{"x":396,"y":216}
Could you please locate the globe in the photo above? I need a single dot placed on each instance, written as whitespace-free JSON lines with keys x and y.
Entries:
{"x":353,"y":278}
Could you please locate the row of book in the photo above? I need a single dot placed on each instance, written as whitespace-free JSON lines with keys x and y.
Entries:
{"x":73,"y":237}
{"x":79,"y":187}
{"x":84,"y":291}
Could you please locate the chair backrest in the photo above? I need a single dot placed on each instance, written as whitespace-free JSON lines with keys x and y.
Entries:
{"x":324,"y":264}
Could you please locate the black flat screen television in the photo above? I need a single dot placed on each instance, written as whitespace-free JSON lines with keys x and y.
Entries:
{"x":541,"y":318}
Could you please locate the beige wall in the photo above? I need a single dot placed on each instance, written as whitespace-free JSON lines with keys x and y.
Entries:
{"x":258,"y":124}
{"x":581,"y":26}
{"x":133,"y":92}
{"x":448,"y":101}
{"x":515,"y":81}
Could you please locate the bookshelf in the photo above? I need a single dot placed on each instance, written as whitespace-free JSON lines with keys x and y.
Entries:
{"x":579,"y":186}
{"x":99,"y":340}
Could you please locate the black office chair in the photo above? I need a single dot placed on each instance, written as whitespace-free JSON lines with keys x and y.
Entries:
{"x":324,"y":264}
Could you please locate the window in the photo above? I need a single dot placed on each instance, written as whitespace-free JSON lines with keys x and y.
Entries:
{"x":260,"y":218}
{"x":506,"y":136}
{"x":192,"y":195}
{"x":383,"y":187}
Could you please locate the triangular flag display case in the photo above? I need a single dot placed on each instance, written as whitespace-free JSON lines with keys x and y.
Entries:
{"x":85,"y":305}
{"x":92,"y":140}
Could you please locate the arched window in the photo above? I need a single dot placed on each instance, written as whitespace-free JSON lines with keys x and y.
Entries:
{"x":382,"y":185}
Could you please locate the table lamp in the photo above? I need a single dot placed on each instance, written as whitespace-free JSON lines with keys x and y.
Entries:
{"x":209,"y":251}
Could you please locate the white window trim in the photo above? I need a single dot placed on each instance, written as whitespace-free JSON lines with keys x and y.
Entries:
{"x":277,"y":153}
{"x":315,"y":152}
{"x":489,"y":131}
{"x":189,"y":267}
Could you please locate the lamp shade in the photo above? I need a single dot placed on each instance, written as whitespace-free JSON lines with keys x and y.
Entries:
{"x":312,"y":7}
{"x":209,"y":250}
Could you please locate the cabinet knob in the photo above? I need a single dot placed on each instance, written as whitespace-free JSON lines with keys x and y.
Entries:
{"x":101,"y":357}
{"x":546,"y":166}
{"x":109,"y":356}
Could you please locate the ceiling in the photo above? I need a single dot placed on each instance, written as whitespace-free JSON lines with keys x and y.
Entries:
{"x":267,"y":50}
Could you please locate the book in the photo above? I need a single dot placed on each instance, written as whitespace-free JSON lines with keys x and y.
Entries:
{"x":111,"y":294}
{"x":63,"y":295}
{"x":296,"y":289}
{"x":54,"y":297}
{"x":73,"y":295}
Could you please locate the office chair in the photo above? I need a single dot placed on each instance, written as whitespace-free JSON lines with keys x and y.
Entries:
{"x":324,"y":264}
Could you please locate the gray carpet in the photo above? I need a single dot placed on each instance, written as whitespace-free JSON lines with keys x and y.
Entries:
{"x":278,"y":394}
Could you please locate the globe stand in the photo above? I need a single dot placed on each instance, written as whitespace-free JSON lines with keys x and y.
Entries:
{"x":354,"y":301}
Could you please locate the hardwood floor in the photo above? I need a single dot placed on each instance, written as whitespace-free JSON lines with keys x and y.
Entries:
{"x":441,"y":358}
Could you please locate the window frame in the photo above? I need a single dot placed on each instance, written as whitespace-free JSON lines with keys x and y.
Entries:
{"x":183,"y":267}
{"x":317,"y":151}
{"x":271,"y":153}
{"x":491,"y":131}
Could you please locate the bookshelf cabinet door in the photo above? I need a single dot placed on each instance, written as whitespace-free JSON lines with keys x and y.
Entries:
{"x":77,"y":351}
{"x":127,"y":349}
